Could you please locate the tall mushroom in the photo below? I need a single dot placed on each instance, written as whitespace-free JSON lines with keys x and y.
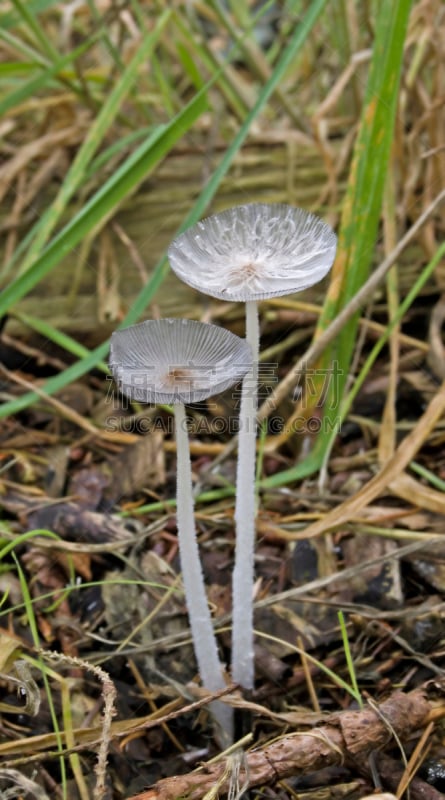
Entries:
{"x":177,"y":361}
{"x":250,"y":253}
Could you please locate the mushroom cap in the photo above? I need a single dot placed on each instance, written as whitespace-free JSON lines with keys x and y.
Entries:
{"x":177,"y":360}
{"x":254,"y":251}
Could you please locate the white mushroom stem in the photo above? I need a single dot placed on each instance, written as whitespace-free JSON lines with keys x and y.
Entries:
{"x":204,"y":640}
{"x":245,"y":512}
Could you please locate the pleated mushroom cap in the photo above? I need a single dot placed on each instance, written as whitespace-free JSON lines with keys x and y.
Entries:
{"x":177,"y":360}
{"x":254,"y":252}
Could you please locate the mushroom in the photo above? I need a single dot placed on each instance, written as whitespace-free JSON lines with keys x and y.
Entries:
{"x":181,"y":361}
{"x":250,"y":253}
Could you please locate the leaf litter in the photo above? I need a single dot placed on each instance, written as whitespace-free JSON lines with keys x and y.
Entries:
{"x":104,"y":594}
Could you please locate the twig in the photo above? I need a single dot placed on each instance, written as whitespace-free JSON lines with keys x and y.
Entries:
{"x":345,"y":736}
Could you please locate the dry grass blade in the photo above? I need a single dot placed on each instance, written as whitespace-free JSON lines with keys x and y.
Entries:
{"x":86,"y":738}
{"x":389,"y":472}
{"x":414,"y":492}
{"x":387,"y":437}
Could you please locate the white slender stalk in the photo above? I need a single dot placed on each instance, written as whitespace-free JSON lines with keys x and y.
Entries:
{"x":204,"y":640}
{"x":245,"y":512}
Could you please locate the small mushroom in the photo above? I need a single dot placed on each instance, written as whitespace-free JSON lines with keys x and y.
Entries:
{"x":250,"y":253}
{"x":181,"y":361}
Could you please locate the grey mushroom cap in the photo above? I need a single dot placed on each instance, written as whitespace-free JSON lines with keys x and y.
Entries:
{"x":254,"y":252}
{"x":177,"y":360}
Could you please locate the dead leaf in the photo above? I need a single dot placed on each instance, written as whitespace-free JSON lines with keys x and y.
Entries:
{"x":140,"y":465}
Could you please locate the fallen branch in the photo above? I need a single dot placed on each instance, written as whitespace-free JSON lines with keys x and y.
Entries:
{"x":343,"y":738}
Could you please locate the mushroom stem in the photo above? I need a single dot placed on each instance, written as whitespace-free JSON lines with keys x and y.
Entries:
{"x":204,"y":640}
{"x":245,"y":512}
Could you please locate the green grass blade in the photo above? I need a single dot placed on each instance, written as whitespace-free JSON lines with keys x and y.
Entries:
{"x":349,"y":660}
{"x":33,"y":627}
{"x":363,"y":202}
{"x":23,"y":537}
{"x":53,"y":385}
{"x":31,"y":87}
{"x":14,"y":68}
{"x":189,"y":66}
{"x":199,"y":51}
{"x":429,"y":476}
{"x":300,"y":35}
{"x":136,"y":167}
{"x":93,"y":140}
{"x":19,"y":46}
{"x":11,"y":19}
{"x":57,"y":337}
{"x":289,"y":53}
{"x":97,"y":163}
{"x":123,"y":181}
{"x":37,"y":31}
